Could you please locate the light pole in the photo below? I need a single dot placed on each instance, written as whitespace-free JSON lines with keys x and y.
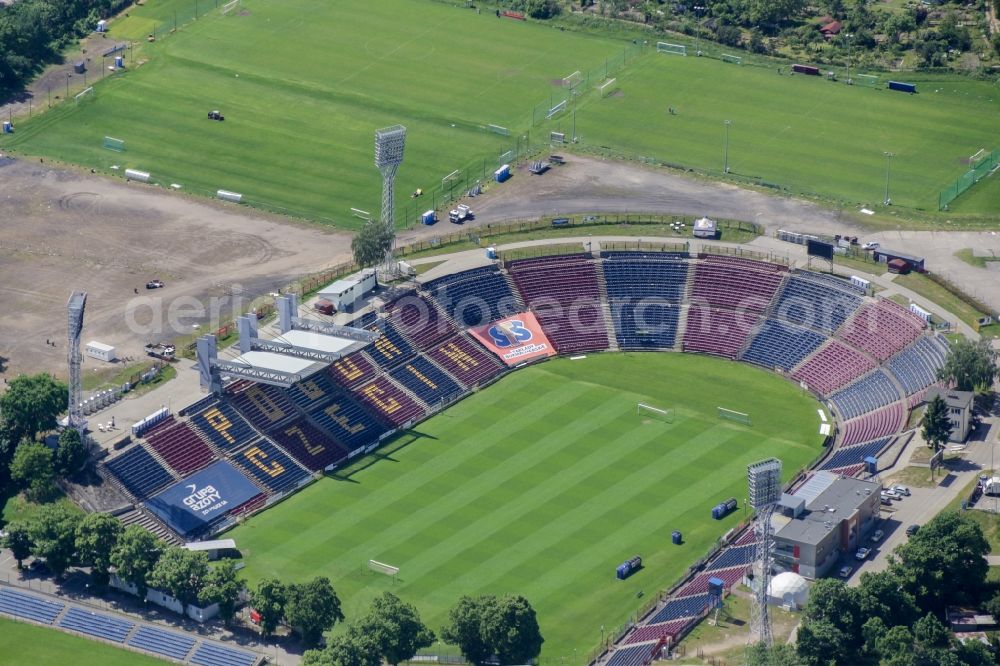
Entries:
{"x":67,"y":84}
{"x":849,"y":35}
{"x":726,"y":152}
{"x":888,"y":165}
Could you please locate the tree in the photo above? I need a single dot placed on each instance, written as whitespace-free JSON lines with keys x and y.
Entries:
{"x":541,"y":9}
{"x":180,"y":572}
{"x":937,"y":426}
{"x":53,"y":532}
{"x":313,"y":608}
{"x":970,"y":366}
{"x":19,"y":541}
{"x":222,"y":586}
{"x":372,"y":243}
{"x":71,"y":454}
{"x":883,"y":596}
{"x":930,"y":632}
{"x":135,"y":555}
{"x":32,"y":469}
{"x":820,"y":643}
{"x":464,"y":628}
{"x":992,"y":606}
{"x":31,"y":405}
{"x":352,"y":648}
{"x":896,"y":645}
{"x":396,"y":628}
{"x":780,"y":654}
{"x":269,"y":600}
{"x":511,"y":630}
{"x":944,"y":563}
{"x":96,"y":536}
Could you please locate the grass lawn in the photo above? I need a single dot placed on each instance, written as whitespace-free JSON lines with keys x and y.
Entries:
{"x":30,"y":644}
{"x":989,"y":522}
{"x":968,"y":257}
{"x":938,"y":293}
{"x":801,"y":133}
{"x":541,"y":485}
{"x":18,"y":508}
{"x":303,"y":85}
{"x":919,"y":477}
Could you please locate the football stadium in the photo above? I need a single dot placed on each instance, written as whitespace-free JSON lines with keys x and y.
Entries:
{"x":535,"y":473}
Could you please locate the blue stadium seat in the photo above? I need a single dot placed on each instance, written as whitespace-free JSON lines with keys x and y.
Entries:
{"x":391,"y":348}
{"x":347,"y":422}
{"x":365,"y":320}
{"x":865,"y":395}
{"x":474,"y":297}
{"x":678,"y":608}
{"x":630,"y":254}
{"x":427,"y":381}
{"x":732,"y":556}
{"x":139,"y":472}
{"x":855,"y":455}
{"x":212,"y":654}
{"x":310,"y":446}
{"x":224,"y":426}
{"x":20,"y":604}
{"x":782,"y":345}
{"x":270,"y":465}
{"x":264,"y":406}
{"x":169,"y":644}
{"x":816,"y":301}
{"x":916,"y":366}
{"x":95,"y":624}
{"x":313,"y":392}
{"x":632,"y":656}
{"x":643,"y":292}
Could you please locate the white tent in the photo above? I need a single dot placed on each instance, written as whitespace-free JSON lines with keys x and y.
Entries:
{"x":788,"y":589}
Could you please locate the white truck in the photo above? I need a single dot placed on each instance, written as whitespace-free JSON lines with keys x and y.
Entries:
{"x":460,"y":214}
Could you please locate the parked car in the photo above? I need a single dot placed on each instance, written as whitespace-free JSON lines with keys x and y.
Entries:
{"x":912,"y":529}
{"x":871,"y":245}
{"x":892,"y":494}
{"x":846,"y":570}
{"x":154,"y":284}
{"x":862,"y":554}
{"x":877,"y":536}
{"x":902,"y":490}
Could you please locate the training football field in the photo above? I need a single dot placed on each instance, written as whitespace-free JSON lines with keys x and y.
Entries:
{"x":541,"y":485}
{"x":800,"y":132}
{"x":303,"y":84}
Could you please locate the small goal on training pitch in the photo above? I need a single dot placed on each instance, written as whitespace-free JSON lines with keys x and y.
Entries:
{"x":730,"y":415}
{"x":665,"y":415}
{"x":383,"y":568}
{"x":667,"y":47}
{"x":229,"y":6}
{"x":117,"y":145}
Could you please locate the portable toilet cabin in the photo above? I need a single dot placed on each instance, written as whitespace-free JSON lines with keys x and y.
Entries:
{"x":428,"y":218}
{"x":79,"y":67}
{"x":120,"y":62}
{"x":502,"y":174}
{"x":8,"y":128}
{"x":491,"y":252}
{"x":102,"y":26}
{"x":676,"y":537}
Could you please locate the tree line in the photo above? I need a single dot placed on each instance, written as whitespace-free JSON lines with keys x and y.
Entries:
{"x":33,"y":34}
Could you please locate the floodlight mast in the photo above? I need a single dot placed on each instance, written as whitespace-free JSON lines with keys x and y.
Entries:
{"x":764,"y":481}
{"x":74,"y":328}
{"x":389,"y":144}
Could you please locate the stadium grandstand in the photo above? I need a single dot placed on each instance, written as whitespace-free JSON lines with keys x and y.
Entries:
{"x":313,"y":403}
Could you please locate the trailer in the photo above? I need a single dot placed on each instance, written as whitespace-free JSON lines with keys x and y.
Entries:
{"x":460,"y":214}
{"x":161,"y":351}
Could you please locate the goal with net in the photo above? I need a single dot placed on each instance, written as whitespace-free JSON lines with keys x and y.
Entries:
{"x":498,"y":129}
{"x":730,"y":58}
{"x":666,"y":415}
{"x":555,"y":110}
{"x":84,"y":95}
{"x":667,"y":47}
{"x":117,"y":145}
{"x":573,"y":80}
{"x":383,"y":568}
{"x":230,"y":6}
{"x":607,"y":87}
{"x":731,"y":415}
{"x":867,"y":80}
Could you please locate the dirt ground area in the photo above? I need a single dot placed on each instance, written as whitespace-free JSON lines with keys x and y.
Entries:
{"x":64,"y":230}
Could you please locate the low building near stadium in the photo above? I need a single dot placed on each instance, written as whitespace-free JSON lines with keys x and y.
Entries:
{"x":826,"y":518}
{"x":959,"y":410}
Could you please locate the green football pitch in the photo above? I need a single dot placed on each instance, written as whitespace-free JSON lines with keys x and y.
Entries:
{"x":23,"y":644}
{"x":541,"y":485}
{"x":303,"y":85}
{"x":799,"y":132}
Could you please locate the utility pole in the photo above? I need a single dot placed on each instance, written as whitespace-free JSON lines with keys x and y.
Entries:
{"x":888,"y":165}
{"x":726,"y":151}
{"x":849,"y":35}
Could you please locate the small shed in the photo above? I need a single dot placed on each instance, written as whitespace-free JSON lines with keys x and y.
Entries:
{"x":706,"y":228}
{"x":831,"y":29}
{"x":323,"y":306}
{"x":885,"y":255}
{"x":100,"y":351}
{"x":343,"y":294}
{"x":211,"y":548}
{"x":79,"y":67}
{"x":901,"y":266}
